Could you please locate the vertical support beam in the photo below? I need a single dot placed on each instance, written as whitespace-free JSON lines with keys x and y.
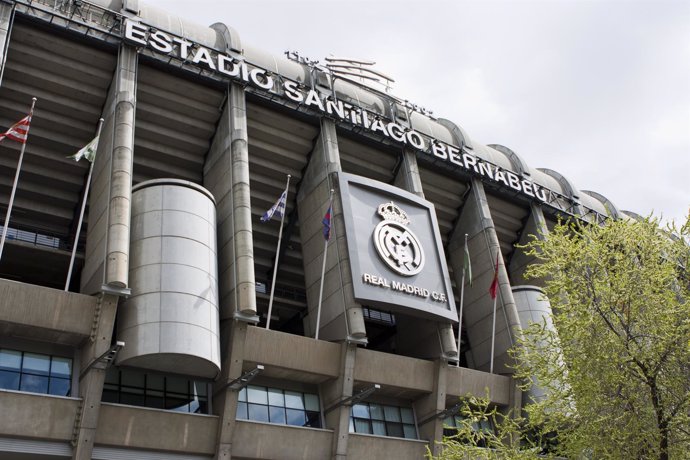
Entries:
{"x":475,"y":220}
{"x":91,"y":380}
{"x":225,"y":399}
{"x":6,"y":19}
{"x":534,"y":227}
{"x":409,"y":179}
{"x":107,"y":244}
{"x":341,"y":316}
{"x":430,"y":405}
{"x":338,"y":419}
{"x":226,"y":176}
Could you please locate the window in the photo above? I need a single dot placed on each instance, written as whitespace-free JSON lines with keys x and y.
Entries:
{"x":137,"y":388}
{"x":451,"y":424}
{"x":273,"y":405}
{"x":35,"y":373}
{"x":382,"y":420}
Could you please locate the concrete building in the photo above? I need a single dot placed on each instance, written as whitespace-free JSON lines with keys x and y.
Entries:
{"x":199,"y":133}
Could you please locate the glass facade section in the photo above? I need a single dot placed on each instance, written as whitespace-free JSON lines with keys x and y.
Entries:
{"x":451,"y":424}
{"x":138,"y":388}
{"x":274,"y":405}
{"x":383,"y":420}
{"x":35,"y":373}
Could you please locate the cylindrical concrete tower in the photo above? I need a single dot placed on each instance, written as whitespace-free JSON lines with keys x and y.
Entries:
{"x":170,"y":323}
{"x":533,"y":307}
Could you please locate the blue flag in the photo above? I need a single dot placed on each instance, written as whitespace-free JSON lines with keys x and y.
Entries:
{"x":327,"y":223}
{"x":278,"y":208}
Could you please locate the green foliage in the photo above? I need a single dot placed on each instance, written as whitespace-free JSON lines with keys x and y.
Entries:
{"x":506,"y":441}
{"x":610,"y":371}
{"x":616,"y":367}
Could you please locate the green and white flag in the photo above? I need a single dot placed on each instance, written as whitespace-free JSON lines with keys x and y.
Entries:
{"x":88,"y":151}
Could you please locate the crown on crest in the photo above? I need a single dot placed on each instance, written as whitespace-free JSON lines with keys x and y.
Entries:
{"x":390,"y":211}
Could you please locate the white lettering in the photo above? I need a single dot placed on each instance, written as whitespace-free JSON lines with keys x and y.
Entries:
{"x":161,"y":42}
{"x":136,"y":32}
{"x":203,"y":55}
{"x":292,"y":91}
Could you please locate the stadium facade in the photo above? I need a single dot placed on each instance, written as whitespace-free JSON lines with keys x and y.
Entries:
{"x":159,"y":346}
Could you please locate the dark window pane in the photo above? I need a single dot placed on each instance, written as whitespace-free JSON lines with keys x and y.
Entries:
{"x":110,"y":396}
{"x":176,"y":385}
{"x":178,"y":403}
{"x":199,"y":388}
{"x":59,"y":387}
{"x":203,"y":407}
{"x":10,"y":360}
{"x":295,"y":417}
{"x":362,"y":426}
{"x":157,"y":402}
{"x":360,"y":410}
{"x":311,"y":402}
{"x":132,"y":378}
{"x":277,"y":414}
{"x":392,"y":413}
{"x":258,"y":412}
{"x":132,"y":399}
{"x":378,"y":427}
{"x":242,"y":411}
{"x":36,"y":364}
{"x":61,"y":367}
{"x":9,"y":380}
{"x":407,"y":415}
{"x":376,"y":411}
{"x":394,"y":429}
{"x":155,"y":382}
{"x":112,"y":375}
{"x":34,"y":383}
{"x":313,"y":419}
{"x":410,"y":431}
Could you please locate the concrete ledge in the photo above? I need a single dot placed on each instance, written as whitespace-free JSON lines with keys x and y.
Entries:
{"x":390,"y":370}
{"x":45,"y":314}
{"x":461,"y":381}
{"x":369,"y":446}
{"x":292,"y":357}
{"x":144,"y":428}
{"x":285,"y":442}
{"x":37,"y":416}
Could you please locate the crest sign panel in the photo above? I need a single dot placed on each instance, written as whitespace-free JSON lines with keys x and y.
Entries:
{"x":395,"y":250}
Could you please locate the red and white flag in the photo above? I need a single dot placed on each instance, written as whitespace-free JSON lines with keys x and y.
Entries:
{"x":494,"y":282}
{"x":18,"y":131}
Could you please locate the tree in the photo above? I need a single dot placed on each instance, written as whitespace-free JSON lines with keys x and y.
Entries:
{"x":616,"y":368}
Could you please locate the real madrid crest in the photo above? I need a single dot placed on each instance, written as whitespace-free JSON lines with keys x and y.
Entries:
{"x":396,"y":244}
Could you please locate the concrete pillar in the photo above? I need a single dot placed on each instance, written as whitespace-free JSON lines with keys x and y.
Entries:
{"x":534,"y":227}
{"x":332,"y":392}
{"x":428,"y":407}
{"x":226,"y":176}
{"x":341,"y":316}
{"x":107,"y":243}
{"x":475,"y":220}
{"x":409,"y":179}
{"x":92,"y":378}
{"x":6,"y":16}
{"x":234,"y":334}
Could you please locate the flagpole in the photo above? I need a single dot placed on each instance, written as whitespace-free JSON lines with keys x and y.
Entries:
{"x":275,"y":265}
{"x":323,"y":270}
{"x":493,"y":326}
{"x":81,"y":214}
{"x":462,"y":301}
{"x":16,"y":180}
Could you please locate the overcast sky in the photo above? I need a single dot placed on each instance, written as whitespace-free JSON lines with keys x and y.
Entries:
{"x":596,"y":90}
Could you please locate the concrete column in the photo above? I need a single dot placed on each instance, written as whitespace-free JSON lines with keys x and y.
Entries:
{"x":6,"y":13}
{"x":234,"y":334}
{"x":107,"y":243}
{"x":332,"y":392}
{"x":534,"y":227}
{"x":475,"y":220}
{"x":91,"y":380}
{"x":409,"y":179}
{"x":341,"y":316}
{"x":226,"y":176}
{"x":427,"y":408}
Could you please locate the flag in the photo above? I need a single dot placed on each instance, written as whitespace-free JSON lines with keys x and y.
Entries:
{"x":278,"y":207}
{"x":494,"y":283}
{"x":88,"y":151}
{"x":18,"y":131}
{"x":327,"y":222}
{"x":467,"y":264}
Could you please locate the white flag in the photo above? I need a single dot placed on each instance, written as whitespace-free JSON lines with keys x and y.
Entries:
{"x":88,"y":151}
{"x":277,"y":208}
